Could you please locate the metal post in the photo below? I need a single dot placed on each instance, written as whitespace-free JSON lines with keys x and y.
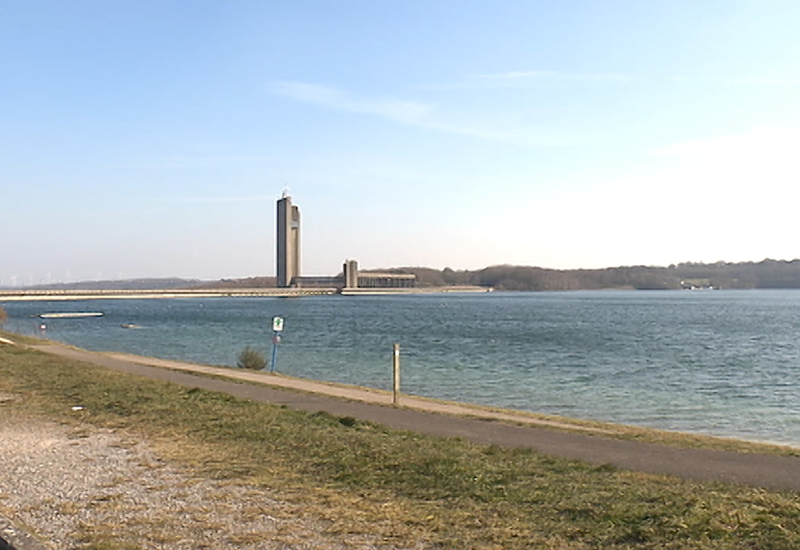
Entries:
{"x":277,"y":328}
{"x":275,"y":340}
{"x":396,"y":372}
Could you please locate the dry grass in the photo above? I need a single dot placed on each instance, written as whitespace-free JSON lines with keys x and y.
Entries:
{"x":361,"y":479}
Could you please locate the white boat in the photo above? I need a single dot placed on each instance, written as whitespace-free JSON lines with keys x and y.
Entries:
{"x":70,"y":315}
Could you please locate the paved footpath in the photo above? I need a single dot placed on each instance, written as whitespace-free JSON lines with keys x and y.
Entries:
{"x":503,"y":428}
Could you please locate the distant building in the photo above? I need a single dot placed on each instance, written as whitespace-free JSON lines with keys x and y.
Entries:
{"x":350,"y":272}
{"x":288,"y":242}
{"x":353,"y":278}
{"x":323,"y":281}
{"x":288,"y":260}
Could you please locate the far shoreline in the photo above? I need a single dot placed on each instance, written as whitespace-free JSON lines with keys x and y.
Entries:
{"x":160,"y":294}
{"x":102,"y":294}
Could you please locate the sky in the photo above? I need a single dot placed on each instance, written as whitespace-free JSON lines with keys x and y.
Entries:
{"x":147,"y":138}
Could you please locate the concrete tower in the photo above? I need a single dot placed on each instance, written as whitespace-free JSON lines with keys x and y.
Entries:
{"x":288,"y":245}
{"x":350,"y":271}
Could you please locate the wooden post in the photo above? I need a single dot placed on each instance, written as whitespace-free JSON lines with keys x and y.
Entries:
{"x":396,"y":372}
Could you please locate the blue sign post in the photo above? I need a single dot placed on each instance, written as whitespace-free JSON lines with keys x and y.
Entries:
{"x":277,"y":328}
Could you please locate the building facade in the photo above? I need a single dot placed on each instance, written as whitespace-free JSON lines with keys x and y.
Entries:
{"x":352,"y":278}
{"x":288,"y":242}
{"x":350,"y":274}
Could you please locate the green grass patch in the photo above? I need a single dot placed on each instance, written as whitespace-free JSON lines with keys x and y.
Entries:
{"x":407,"y":488}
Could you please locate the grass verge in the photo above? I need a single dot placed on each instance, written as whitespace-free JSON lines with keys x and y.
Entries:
{"x":604,"y":429}
{"x":405,"y":487}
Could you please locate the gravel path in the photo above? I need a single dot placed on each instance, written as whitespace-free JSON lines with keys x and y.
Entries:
{"x":67,"y":485}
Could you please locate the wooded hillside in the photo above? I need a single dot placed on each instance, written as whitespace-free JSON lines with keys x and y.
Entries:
{"x":764,"y":274}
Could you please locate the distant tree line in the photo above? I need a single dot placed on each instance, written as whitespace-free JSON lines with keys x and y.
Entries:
{"x":763,"y":274}
{"x":743,"y":275}
{"x":126,"y":284}
{"x":250,"y":282}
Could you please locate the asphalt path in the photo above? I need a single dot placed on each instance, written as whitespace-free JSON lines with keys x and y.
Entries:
{"x":474,"y":424}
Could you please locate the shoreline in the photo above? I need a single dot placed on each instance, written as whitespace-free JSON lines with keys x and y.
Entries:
{"x":367,"y":395}
{"x":339,"y":390}
{"x":352,"y":392}
{"x":383,"y":398}
{"x":469,"y":471}
{"x":429,"y":404}
{"x":686,"y":457}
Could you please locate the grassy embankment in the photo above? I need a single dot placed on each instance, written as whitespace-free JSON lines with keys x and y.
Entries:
{"x":406,"y":487}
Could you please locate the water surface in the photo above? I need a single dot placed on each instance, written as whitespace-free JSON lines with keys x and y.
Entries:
{"x":712,"y":362}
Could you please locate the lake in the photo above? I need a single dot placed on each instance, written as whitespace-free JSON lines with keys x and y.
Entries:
{"x":720,"y":362}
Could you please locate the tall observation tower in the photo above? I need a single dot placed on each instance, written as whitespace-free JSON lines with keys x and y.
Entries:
{"x":288,"y":245}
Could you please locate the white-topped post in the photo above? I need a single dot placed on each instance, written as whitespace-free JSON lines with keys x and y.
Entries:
{"x":396,"y":372}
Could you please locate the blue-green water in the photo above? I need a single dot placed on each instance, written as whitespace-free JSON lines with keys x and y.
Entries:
{"x":714,"y":362}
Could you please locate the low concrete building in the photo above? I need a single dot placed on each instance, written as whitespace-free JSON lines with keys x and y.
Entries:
{"x":353,"y":278}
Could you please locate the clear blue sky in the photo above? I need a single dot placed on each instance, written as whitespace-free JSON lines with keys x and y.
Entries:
{"x":151,"y":138}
